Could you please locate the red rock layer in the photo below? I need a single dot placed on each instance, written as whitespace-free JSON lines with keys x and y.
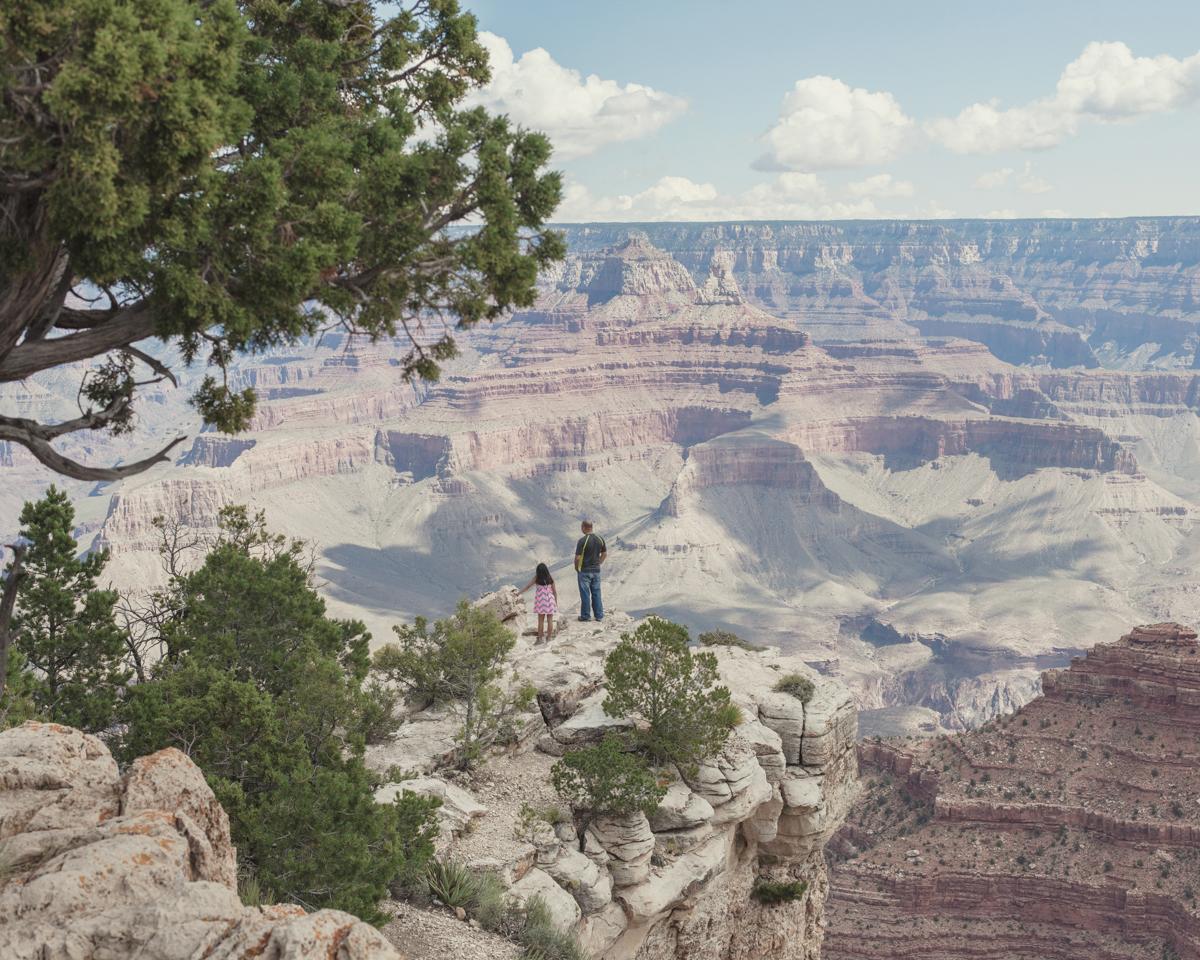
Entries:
{"x":1069,"y":829}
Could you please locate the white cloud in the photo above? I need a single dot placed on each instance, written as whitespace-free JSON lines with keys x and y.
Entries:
{"x":1055,"y":213}
{"x":1034,"y":185}
{"x":826,"y":125}
{"x":792,"y":196}
{"x":996,"y":178}
{"x":1106,"y":84}
{"x":1006,"y":214}
{"x":579,"y":115}
{"x":880,"y":185}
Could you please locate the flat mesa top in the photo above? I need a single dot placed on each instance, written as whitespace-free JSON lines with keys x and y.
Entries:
{"x":1173,"y":633}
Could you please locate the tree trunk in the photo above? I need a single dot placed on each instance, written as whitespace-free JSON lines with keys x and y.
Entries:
{"x":25,"y":297}
{"x":8,"y":602}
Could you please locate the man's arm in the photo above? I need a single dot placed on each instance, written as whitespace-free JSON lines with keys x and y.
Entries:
{"x":603,"y":556}
{"x":578,"y":561}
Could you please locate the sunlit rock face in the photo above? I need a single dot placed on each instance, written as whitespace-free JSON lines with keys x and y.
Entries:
{"x":924,"y":521}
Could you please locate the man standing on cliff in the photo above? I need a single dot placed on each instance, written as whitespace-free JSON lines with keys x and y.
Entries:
{"x":590,"y":552}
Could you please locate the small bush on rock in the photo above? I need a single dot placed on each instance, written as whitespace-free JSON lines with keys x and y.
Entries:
{"x":533,"y":929}
{"x":798,"y":685}
{"x":605,"y":781}
{"x":771,"y":894}
{"x":723,"y":638}
{"x":654,"y":677}
{"x":456,"y":665}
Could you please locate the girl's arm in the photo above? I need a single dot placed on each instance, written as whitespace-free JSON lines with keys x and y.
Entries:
{"x":528,"y":585}
{"x":554,"y":587}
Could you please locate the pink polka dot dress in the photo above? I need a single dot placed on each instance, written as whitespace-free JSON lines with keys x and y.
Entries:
{"x":543,"y":600}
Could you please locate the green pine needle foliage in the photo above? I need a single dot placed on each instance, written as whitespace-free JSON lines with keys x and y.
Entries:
{"x":238,"y":172}
{"x":266,"y":694}
{"x":68,"y":665}
{"x":771,"y":894}
{"x":654,"y":677}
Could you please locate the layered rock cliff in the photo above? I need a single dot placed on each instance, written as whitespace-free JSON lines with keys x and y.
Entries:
{"x":1067,"y":829}
{"x":927,"y":523}
{"x":676,"y":886}
{"x":1057,"y":292}
{"x":136,"y":866}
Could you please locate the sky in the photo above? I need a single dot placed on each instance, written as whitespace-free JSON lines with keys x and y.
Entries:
{"x":660,"y":110}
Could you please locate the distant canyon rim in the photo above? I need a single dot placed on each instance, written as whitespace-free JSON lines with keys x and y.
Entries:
{"x":927,"y":457}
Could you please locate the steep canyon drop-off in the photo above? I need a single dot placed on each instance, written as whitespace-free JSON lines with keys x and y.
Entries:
{"x":753,"y":418}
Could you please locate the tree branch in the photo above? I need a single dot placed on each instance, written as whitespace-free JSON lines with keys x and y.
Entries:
{"x":36,"y":437}
{"x":128,"y":325}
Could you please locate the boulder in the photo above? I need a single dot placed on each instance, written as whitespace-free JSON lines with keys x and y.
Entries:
{"x":564,"y":911}
{"x":587,"y":883}
{"x":629,"y":841}
{"x":458,"y":807}
{"x":600,"y":931}
{"x":143,"y":868}
{"x":784,"y":714}
{"x":729,"y":773}
{"x":762,"y":826}
{"x":676,"y":882}
{"x":680,"y":809}
{"x":745,"y":801}
{"x":506,"y":603}
{"x":768,"y":748}
{"x":588,"y":724}
{"x":830,"y":726}
{"x":673,"y":842}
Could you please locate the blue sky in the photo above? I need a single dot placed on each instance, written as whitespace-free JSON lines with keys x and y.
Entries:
{"x":707,"y":111}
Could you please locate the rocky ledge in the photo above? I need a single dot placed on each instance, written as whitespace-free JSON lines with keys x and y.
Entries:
{"x":677,"y":884}
{"x":98,"y":865}
{"x":1068,"y":829}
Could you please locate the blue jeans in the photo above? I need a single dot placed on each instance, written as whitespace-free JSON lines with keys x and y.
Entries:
{"x":589,"y":595}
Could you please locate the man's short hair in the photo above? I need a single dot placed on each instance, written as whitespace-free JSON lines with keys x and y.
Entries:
{"x":587,"y":526}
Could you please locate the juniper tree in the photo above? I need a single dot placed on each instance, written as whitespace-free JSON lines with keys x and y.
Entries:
{"x":605,"y":781}
{"x":457,"y":665}
{"x":653,"y":677}
{"x":65,"y":627}
{"x":227,"y":175}
{"x":265,"y":693}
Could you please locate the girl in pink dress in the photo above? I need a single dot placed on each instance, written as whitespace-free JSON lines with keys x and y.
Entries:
{"x":545,"y":599}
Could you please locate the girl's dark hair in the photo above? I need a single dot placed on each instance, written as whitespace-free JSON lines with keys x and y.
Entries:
{"x":543,"y":575}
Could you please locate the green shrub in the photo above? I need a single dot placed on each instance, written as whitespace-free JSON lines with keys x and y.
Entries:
{"x":451,"y":882}
{"x":723,"y":638}
{"x":604,"y":781}
{"x":533,"y":930}
{"x":653,"y":676}
{"x":798,"y":685}
{"x":770,"y":894}
{"x":254,"y":895}
{"x":490,"y":903}
{"x":457,"y":665}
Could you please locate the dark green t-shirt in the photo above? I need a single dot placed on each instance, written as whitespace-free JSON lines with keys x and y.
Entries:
{"x":590,"y":547}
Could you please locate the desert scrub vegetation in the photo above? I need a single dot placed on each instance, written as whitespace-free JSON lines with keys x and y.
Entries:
{"x":723,"y":638}
{"x":798,"y":685}
{"x":459,"y":664}
{"x":771,"y":894}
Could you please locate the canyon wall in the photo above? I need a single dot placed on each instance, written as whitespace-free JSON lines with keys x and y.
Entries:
{"x":1062,"y":292}
{"x":1067,"y":829}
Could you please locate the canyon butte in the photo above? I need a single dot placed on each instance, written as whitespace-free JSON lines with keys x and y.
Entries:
{"x":926,"y":458}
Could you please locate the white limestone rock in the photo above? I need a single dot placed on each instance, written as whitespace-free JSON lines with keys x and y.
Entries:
{"x":745,"y":801}
{"x":600,"y":931}
{"x":589,"y":723}
{"x":588,"y":884}
{"x":677,"y":881}
{"x":564,"y":911}
{"x":680,"y":809}
{"x":629,"y":841}
{"x":458,"y":807}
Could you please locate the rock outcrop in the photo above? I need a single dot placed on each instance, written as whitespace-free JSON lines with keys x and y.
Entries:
{"x":135,"y":867}
{"x":676,"y":885}
{"x":1067,"y":829}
